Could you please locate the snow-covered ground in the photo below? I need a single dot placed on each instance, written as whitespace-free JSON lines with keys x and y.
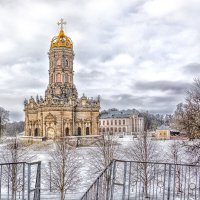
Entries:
{"x":40,"y":150}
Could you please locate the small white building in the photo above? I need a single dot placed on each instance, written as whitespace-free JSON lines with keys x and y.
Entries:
{"x":121,"y":121}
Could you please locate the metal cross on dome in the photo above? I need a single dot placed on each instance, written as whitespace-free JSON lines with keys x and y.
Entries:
{"x":61,"y":23}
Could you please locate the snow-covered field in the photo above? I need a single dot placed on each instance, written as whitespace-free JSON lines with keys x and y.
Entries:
{"x":40,"y":150}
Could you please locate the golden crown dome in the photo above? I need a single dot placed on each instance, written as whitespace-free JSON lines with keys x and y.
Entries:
{"x":61,"y":40}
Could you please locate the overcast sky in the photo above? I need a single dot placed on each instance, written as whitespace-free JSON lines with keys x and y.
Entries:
{"x":139,"y":54}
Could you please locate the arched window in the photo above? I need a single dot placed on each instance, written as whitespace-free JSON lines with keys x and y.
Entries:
{"x":66,"y":78}
{"x":66,"y":63}
{"x":87,"y":130}
{"x":37,"y":132}
{"x":58,"y":91}
{"x":58,"y":78}
{"x":52,"y":78}
{"x":59,"y":62}
{"x":67,"y":131}
{"x":79,"y":131}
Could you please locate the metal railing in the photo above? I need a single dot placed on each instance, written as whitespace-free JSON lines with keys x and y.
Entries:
{"x":20,"y":181}
{"x":133,"y":180}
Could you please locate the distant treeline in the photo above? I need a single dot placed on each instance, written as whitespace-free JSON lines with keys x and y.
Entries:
{"x":14,"y":128}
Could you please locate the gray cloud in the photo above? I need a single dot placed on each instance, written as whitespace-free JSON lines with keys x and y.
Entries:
{"x":192,"y":69}
{"x":154,"y":104}
{"x":175,"y":87}
{"x":132,"y":53}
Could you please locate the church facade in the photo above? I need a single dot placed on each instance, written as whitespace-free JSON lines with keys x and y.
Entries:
{"x":61,"y":113}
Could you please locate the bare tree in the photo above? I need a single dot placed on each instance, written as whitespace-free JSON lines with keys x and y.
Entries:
{"x":104,"y":151}
{"x":192,"y":149}
{"x":65,"y":166}
{"x":143,"y":150}
{"x":175,"y":156}
{"x":4,"y":118}
{"x":14,"y":152}
{"x":14,"y":128}
{"x":187,"y":115}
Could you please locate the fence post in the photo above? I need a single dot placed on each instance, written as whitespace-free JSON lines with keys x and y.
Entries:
{"x":124,"y":182}
{"x":113,"y":179}
{"x":23,"y":181}
{"x":29,"y":180}
{"x":169,"y":182}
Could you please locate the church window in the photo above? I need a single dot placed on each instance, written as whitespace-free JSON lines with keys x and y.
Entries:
{"x":58,"y":62}
{"x":111,"y":130}
{"x":37,"y":132}
{"x":79,"y":131}
{"x":66,"y":63}
{"x":67,"y":131}
{"x":87,"y":130}
{"x":58,"y":78}
{"x":65,"y":77}
{"x":57,"y":91}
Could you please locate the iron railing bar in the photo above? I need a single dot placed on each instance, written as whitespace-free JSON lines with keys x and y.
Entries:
{"x":0,"y":181}
{"x":99,"y":176}
{"x":174,"y":189}
{"x":113,"y":179}
{"x":8,"y":181}
{"x":23,"y":181}
{"x":199,"y":183}
{"x":182,"y":164}
{"x":150,"y":166}
{"x":29,"y":181}
{"x":18,"y":163}
{"x":196,"y":183}
{"x":189,"y":184}
{"x":129,"y":182}
{"x":169,"y":182}
{"x":154,"y":179}
{"x":185,"y":183}
{"x":164,"y":182}
{"x":136,"y":181}
{"x":157,"y":186}
{"x":182,"y":183}
{"x":140,"y":184}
